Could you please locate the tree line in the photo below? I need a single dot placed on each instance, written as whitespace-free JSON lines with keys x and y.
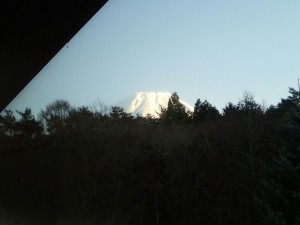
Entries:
{"x":79,"y":165}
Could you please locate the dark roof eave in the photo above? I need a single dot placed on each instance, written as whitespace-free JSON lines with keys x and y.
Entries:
{"x":31,"y":33}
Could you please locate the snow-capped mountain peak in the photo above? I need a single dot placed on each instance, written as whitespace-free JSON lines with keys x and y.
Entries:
{"x":150,"y":102}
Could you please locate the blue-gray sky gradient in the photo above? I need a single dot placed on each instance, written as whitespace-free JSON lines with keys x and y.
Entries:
{"x":207,"y":49}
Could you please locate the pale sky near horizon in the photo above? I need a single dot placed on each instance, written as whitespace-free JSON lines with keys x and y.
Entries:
{"x":207,"y":49}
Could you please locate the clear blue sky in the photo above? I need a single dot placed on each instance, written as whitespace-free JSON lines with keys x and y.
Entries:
{"x":207,"y":49}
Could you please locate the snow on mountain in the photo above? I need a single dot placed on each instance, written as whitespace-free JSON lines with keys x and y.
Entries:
{"x":149,"y":103}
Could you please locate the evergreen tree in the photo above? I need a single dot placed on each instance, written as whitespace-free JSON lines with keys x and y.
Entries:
{"x":27,"y":126}
{"x":204,"y":111}
{"x":7,"y":123}
{"x":279,"y":199}
{"x":175,"y":111}
{"x":118,"y":113}
{"x":231,"y":110}
{"x":282,"y":108}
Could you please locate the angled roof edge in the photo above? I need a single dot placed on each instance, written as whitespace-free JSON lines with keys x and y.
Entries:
{"x":31,"y":33}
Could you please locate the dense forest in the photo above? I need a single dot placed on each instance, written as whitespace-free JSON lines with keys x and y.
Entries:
{"x":82,"y":165}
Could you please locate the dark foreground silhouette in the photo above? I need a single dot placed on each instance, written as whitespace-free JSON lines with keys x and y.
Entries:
{"x":83,"y":166}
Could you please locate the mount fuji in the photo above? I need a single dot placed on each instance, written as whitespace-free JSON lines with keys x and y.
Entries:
{"x":149,"y":103}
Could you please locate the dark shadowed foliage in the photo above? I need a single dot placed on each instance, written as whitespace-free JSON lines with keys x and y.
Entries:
{"x":279,"y":196}
{"x":93,"y":167}
{"x":175,"y":111}
{"x":204,"y":111}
